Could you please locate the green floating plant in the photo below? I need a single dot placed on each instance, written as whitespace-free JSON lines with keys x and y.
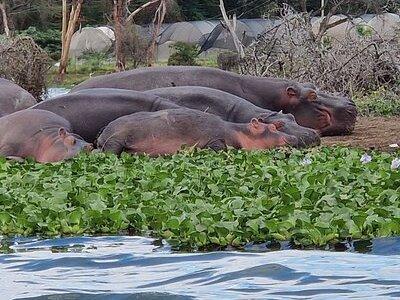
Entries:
{"x":197,"y":199}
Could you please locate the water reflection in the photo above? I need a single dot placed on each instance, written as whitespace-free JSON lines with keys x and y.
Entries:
{"x":134,"y":268}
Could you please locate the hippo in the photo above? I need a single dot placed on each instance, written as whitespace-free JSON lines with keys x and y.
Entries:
{"x":235,"y":109}
{"x":166,"y":131}
{"x":90,"y":111}
{"x":328,"y":114}
{"x":13,"y":98}
{"x":40,"y":134}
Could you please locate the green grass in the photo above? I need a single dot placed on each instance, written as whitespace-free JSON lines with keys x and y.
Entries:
{"x":379,"y":103}
{"x":202,"y":199}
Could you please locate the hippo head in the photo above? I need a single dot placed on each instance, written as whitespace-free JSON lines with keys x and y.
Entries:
{"x":63,"y":145}
{"x":265,"y":136}
{"x":292,"y":94}
{"x":286,"y":123}
{"x":328,"y":114}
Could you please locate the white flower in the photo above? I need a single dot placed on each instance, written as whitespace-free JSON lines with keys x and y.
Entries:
{"x":306,"y":161}
{"x":365,"y":158}
{"x":395,"y":164}
{"x":394,"y":145}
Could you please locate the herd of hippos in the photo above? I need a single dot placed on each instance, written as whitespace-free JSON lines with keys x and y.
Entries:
{"x":158,"y":110}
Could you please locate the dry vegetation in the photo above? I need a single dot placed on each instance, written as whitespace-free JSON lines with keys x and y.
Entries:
{"x":354,"y":65}
{"x":25,"y":63}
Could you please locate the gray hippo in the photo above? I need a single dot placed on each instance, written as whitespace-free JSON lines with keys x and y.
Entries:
{"x":91,"y":110}
{"x":329,"y":114}
{"x":235,"y":109}
{"x":40,"y":134}
{"x":166,"y":131}
{"x":13,"y":98}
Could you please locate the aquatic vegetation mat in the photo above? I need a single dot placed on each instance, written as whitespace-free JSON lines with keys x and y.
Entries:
{"x":198,"y":199}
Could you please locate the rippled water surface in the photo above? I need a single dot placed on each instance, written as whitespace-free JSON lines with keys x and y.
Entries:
{"x":134,"y":268}
{"x":55,"y":91}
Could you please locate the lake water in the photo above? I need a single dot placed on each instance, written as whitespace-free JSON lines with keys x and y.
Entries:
{"x":134,"y":268}
{"x":55,"y":91}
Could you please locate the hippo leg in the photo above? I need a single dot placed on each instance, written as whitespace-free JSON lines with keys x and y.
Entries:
{"x":216,"y":145}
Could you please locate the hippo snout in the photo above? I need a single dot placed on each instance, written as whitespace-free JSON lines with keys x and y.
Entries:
{"x":291,"y":140}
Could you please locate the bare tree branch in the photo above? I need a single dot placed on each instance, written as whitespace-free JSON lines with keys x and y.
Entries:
{"x":139,"y":9}
{"x":231,"y":26}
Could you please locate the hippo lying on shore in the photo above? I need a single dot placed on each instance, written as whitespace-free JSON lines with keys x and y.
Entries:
{"x":328,"y":114}
{"x":235,"y":109}
{"x":13,"y":98}
{"x":39,"y":134}
{"x":91,"y":110}
{"x":166,"y":131}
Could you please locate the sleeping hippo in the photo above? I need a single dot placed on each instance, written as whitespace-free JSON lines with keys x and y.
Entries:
{"x":13,"y":98}
{"x":329,"y":114}
{"x":90,"y":111}
{"x":166,"y":131}
{"x":235,"y":109}
{"x":40,"y":134}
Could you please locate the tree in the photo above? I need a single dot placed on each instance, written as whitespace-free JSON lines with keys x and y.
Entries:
{"x":121,"y":20}
{"x":119,"y":13}
{"x":69,"y":20}
{"x":231,"y":26}
{"x":5,"y":19}
{"x":156,"y":24}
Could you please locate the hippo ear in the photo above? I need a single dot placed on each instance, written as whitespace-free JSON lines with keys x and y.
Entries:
{"x":312,"y":96}
{"x":62,"y":132}
{"x":256,"y":127}
{"x":255,"y":123}
{"x":291,"y":91}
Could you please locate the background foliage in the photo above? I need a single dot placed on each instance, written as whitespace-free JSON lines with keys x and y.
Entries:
{"x":45,"y":14}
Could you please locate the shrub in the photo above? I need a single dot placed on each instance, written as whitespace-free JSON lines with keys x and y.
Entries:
{"x":353,"y":64}
{"x":136,"y":42}
{"x":49,"y":40}
{"x":24,"y":62}
{"x":382,"y":102}
{"x":184,"y":55}
{"x":228,"y":61}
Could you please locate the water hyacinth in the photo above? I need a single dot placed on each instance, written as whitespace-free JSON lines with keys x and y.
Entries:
{"x":395,"y":164}
{"x":366,"y":158}
{"x":201,"y":198}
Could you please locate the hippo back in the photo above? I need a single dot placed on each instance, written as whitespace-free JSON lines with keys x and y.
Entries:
{"x":13,"y":98}
{"x":91,"y":110}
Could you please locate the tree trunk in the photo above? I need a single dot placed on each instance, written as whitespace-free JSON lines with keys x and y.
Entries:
{"x":231,"y":25}
{"x":303,"y":4}
{"x":5,"y":19}
{"x":68,"y":29}
{"x":157,"y":22}
{"x":119,"y":26}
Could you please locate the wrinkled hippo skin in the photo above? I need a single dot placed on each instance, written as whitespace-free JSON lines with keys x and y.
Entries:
{"x":166,"y":131}
{"x":329,"y":114}
{"x":13,"y":98}
{"x":236,"y":110}
{"x":42,"y":135}
{"x":90,"y":111}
